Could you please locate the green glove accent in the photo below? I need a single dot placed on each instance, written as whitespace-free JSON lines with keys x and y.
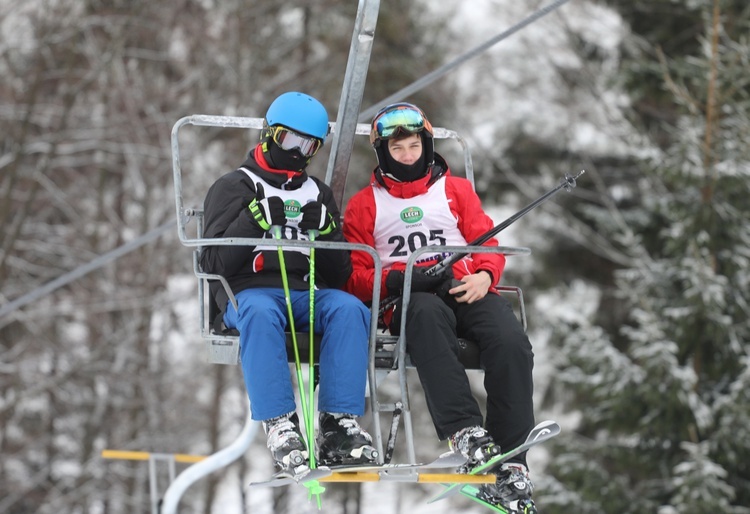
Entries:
{"x":266,"y":212}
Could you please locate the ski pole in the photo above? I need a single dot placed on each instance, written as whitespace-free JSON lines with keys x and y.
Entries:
{"x":312,"y":234}
{"x":313,"y":486}
{"x":276,"y":233}
{"x":567,"y":183}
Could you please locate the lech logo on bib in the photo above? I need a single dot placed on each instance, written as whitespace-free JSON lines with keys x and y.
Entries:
{"x":411,"y":215}
{"x":292,"y":208}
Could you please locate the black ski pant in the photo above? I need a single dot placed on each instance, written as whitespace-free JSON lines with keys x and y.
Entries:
{"x":432,"y":331}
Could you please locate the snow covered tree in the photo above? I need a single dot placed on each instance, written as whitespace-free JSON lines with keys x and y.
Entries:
{"x":665,"y":396}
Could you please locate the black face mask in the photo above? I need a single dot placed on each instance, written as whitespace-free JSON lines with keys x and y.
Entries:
{"x":404,"y":172}
{"x":284,"y":159}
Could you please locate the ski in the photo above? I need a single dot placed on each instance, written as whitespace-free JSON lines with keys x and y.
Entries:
{"x":283,"y":478}
{"x":411,"y":476}
{"x":539,"y":434}
{"x":374,"y":468}
{"x":447,"y":460}
{"x":471,"y":492}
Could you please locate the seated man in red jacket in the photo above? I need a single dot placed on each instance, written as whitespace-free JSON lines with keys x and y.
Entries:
{"x":414,"y":201}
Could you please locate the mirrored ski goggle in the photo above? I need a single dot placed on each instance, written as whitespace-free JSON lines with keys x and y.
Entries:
{"x":405,"y":119}
{"x":288,"y":139}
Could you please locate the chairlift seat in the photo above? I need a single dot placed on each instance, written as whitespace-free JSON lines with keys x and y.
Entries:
{"x":223,"y":343}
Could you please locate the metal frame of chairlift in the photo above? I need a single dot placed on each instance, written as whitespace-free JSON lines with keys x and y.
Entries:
{"x":387,"y":353}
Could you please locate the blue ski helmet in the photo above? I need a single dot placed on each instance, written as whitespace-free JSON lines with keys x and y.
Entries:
{"x":299,"y":112}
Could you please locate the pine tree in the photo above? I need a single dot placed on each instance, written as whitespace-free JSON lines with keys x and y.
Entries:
{"x":665,"y":397}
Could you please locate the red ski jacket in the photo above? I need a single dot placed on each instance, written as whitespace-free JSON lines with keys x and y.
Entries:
{"x":466,"y":215}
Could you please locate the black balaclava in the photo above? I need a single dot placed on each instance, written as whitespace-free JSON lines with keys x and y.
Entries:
{"x":403,"y":172}
{"x":280,"y":159}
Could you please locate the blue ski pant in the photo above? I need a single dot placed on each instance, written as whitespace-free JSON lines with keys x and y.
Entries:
{"x":342,"y":319}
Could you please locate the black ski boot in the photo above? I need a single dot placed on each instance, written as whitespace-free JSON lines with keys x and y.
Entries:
{"x":341,"y":441}
{"x":287,"y":445}
{"x":474,"y":443}
{"x":512,"y":490}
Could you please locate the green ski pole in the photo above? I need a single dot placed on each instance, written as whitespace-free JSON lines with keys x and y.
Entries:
{"x":311,"y":376}
{"x":313,"y":486}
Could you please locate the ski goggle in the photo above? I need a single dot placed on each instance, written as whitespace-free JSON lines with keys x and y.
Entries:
{"x":287,"y":139}
{"x":404,"y":118}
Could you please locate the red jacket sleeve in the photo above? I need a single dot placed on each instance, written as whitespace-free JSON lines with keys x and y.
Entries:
{"x":359,"y":226}
{"x":473,"y":222}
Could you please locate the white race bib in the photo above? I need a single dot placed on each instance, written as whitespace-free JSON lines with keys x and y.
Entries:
{"x":402,"y":225}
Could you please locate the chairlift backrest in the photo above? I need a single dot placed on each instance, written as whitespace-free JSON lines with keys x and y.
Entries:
{"x":239,"y":122}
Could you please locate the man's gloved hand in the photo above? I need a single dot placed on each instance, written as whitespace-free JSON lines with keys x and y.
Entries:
{"x":421,"y":282}
{"x":265,"y":212}
{"x":315,"y":216}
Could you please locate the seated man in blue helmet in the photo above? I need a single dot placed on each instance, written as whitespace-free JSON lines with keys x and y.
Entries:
{"x":272,"y":188}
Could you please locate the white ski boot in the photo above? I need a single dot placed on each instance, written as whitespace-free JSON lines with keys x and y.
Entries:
{"x":287,"y":445}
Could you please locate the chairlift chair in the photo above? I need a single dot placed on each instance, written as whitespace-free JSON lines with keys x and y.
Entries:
{"x":387,"y":352}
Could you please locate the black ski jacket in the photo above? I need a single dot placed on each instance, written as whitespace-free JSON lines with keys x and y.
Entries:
{"x":226,"y":214}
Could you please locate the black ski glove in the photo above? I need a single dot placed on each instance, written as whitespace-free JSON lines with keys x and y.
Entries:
{"x":446,"y":286}
{"x":315,"y":216}
{"x":265,"y":212}
{"x":421,"y":282}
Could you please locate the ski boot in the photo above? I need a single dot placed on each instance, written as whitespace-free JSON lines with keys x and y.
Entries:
{"x":287,"y":445}
{"x":512,"y":490}
{"x":474,"y":443}
{"x":341,"y":441}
